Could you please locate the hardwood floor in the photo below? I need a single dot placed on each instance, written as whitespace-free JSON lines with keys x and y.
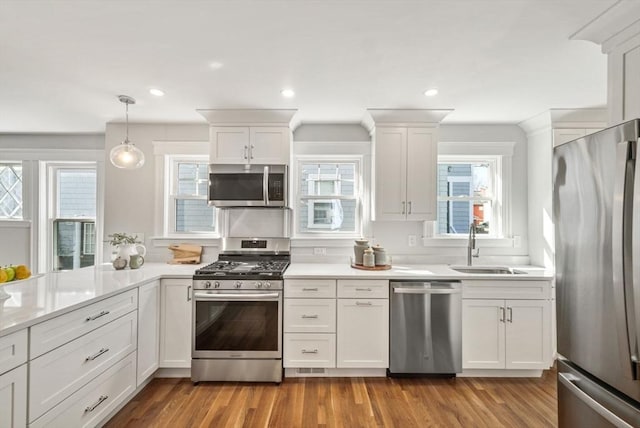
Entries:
{"x":346,"y":402}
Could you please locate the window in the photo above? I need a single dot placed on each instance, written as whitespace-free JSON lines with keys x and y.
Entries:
{"x":189,"y":211}
{"x":73,"y":215}
{"x":329,"y":199}
{"x":11,"y":190}
{"x":468,"y":192}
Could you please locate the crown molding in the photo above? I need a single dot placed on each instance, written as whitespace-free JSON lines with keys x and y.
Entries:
{"x":232,"y":117}
{"x":403,"y":117}
{"x":613,"y":26}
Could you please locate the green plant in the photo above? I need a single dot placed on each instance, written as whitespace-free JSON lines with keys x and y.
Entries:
{"x":123,"y":238}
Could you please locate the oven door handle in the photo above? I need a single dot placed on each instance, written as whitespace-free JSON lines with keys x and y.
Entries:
{"x":246,"y":296}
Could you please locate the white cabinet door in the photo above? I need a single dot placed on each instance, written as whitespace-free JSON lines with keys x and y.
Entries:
{"x":483,"y":334}
{"x":269,"y":145}
{"x":13,"y":398}
{"x":363,"y":333}
{"x":391,"y":173}
{"x":422,"y":161}
{"x":229,"y":144}
{"x":148,"y":330}
{"x":175,"y":323}
{"x":527,"y":334}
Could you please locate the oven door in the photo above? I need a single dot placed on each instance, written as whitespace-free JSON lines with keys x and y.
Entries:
{"x":237,"y":324}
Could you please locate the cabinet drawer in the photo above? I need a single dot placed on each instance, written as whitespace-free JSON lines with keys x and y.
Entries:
{"x":60,"y":330}
{"x":363,"y":288}
{"x":93,"y":402}
{"x":13,"y":350}
{"x":59,"y":373}
{"x":309,"y":350}
{"x":310,"y":315}
{"x":309,"y":288}
{"x":499,"y":289}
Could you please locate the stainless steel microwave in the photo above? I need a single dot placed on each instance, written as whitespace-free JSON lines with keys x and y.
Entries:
{"x":248,"y":185}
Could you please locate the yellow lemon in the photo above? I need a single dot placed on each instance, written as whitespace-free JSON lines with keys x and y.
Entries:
{"x":3,"y":276}
{"x":22,"y":272}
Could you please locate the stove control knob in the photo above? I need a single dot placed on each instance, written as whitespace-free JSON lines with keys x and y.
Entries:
{"x":238,"y":284}
{"x":216,"y":284}
{"x":267,"y":284}
{"x":258,"y":284}
{"x":207,"y":284}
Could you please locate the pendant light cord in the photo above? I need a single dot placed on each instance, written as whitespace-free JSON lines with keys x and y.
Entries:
{"x":126,"y":138}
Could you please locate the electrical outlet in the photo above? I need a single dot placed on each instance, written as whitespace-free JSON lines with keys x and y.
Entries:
{"x":319,"y":251}
{"x":412,"y":240}
{"x":517,"y":241}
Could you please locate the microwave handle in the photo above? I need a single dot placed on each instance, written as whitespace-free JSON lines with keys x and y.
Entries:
{"x":265,"y":185}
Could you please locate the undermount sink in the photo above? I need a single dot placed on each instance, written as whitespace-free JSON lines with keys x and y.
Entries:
{"x":490,"y":270}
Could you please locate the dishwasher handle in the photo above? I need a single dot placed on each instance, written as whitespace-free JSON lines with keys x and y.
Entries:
{"x":420,"y":290}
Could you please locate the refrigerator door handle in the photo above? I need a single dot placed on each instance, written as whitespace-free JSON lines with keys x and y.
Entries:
{"x":622,"y":287}
{"x":567,"y":379}
{"x":633,"y":255}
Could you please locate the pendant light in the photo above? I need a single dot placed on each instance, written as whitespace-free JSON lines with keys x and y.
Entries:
{"x":126,"y":155}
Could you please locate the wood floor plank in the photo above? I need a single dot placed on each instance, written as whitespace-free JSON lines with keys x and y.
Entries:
{"x":345,"y":402}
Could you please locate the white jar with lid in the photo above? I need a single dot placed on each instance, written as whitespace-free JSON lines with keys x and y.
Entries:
{"x":380,"y":256}
{"x":368,"y":259}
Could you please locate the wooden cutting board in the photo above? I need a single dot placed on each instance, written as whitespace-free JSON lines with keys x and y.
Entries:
{"x":185,"y":253}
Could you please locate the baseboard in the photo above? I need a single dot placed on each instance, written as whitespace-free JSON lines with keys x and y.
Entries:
{"x":173,"y":372}
{"x":499,"y":373}
{"x":331,"y":372}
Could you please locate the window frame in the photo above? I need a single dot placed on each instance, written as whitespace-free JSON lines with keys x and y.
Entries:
{"x":325,"y":230}
{"x":22,"y":184}
{"x":171,"y":197}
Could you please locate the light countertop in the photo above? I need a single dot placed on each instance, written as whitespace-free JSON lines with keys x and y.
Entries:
{"x":45,"y":296}
{"x":42,"y":297}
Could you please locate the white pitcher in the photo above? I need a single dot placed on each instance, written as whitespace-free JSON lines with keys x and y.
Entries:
{"x":127,"y":250}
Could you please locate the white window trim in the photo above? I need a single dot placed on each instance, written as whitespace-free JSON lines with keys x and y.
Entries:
{"x":323,"y":232}
{"x":170,"y":198}
{"x":14,"y":163}
{"x":503,"y":150}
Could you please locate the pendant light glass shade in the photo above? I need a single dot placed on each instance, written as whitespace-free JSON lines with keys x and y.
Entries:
{"x":126,"y":155}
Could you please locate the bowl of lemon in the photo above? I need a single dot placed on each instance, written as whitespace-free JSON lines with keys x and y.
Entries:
{"x":14,"y":273}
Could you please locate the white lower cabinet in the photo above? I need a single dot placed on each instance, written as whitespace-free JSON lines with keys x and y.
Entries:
{"x":506,"y":334}
{"x":362,"y":333}
{"x":175,"y":323}
{"x":310,"y":315}
{"x":309,"y":350}
{"x":88,"y":406}
{"x":59,"y":373}
{"x":13,"y":398}
{"x":148,"y":330}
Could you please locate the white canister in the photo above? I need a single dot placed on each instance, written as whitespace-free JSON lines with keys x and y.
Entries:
{"x":380,"y":256}
{"x":368,"y":259}
{"x":358,"y":249}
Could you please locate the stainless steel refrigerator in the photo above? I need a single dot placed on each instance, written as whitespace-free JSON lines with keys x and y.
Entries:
{"x":596,"y":210}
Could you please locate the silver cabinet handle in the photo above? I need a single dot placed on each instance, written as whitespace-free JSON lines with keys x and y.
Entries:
{"x":311,"y":317}
{"x":364,"y":289}
{"x":510,"y":311}
{"x":95,"y":317}
{"x":246,"y":152}
{"x":409,"y":203}
{"x":567,"y":379}
{"x":97,"y":354}
{"x":314,"y":351}
{"x":189,"y":293}
{"x":91,"y":408}
{"x":251,"y":152}
{"x":363,"y":303}
{"x":403,"y":207}
{"x":501,"y":314}
{"x":310,"y":289}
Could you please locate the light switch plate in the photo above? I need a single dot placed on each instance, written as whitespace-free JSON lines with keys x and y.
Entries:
{"x":412,"y":240}
{"x":319,"y":251}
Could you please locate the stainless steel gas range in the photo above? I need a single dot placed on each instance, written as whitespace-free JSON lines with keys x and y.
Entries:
{"x":237,"y":312}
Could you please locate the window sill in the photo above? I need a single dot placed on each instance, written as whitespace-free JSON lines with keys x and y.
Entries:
{"x":9,"y":222}
{"x":205,"y":241}
{"x":463,"y":242}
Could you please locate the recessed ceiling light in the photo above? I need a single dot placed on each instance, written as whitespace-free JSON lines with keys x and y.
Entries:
{"x":431,"y":92}
{"x":215,"y":65}
{"x":287,"y":93}
{"x":156,"y":92}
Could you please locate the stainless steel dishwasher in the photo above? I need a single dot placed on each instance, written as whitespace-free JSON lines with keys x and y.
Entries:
{"x":426,"y":328}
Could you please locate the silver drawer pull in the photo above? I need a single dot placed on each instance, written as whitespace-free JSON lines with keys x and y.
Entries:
{"x":310,"y":317}
{"x":95,"y":317}
{"x":97,"y":354}
{"x":310,"y":289}
{"x":99,"y":402}
{"x":363,"y":289}
{"x":363,"y":303}
{"x":315,"y":351}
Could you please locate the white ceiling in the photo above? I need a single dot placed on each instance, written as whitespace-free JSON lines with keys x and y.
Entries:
{"x":62,"y":63}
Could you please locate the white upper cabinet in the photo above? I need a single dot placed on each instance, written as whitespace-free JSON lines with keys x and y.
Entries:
{"x":406,"y":162}
{"x":239,"y":136}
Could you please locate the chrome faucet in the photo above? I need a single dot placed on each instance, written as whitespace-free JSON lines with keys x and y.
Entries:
{"x":472,"y":244}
